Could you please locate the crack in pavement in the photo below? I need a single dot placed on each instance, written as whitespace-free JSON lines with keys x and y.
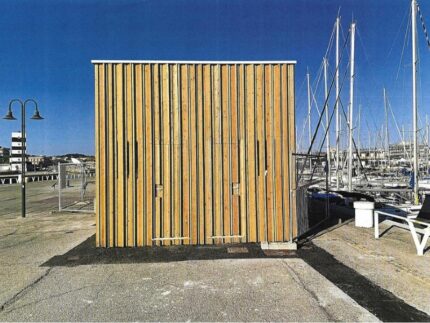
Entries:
{"x":25,"y":290}
{"x":8,"y":234}
{"x":31,"y":239}
{"x":299,"y":282}
{"x":7,"y":311}
{"x":103,"y":286}
{"x":51,"y":231}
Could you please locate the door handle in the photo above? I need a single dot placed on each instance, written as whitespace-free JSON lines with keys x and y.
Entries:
{"x":128,"y":159}
{"x":258,"y":157}
{"x":136,"y":160}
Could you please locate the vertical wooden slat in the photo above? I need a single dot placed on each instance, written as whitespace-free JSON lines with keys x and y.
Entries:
{"x":130,"y":155}
{"x":292,"y":145}
{"x":252,"y":157}
{"x":208,"y":152}
{"x":261,"y":158}
{"x":244,"y":207}
{"x":278,"y":151}
{"x":200,"y":111}
{"x":176,"y":167}
{"x":146,"y":142}
{"x":97,"y":87}
{"x":103,"y":170}
{"x":121,"y":154}
{"x":185,"y":169}
{"x":235,"y":158}
{"x":270,"y":149}
{"x":115,"y":152}
{"x":141,"y":158}
{"x":217,"y":148}
{"x":225,"y":148}
{"x":285,"y":150}
{"x":166,"y":128}
{"x":194,"y":167}
{"x":110,"y":156}
{"x":158,"y":166}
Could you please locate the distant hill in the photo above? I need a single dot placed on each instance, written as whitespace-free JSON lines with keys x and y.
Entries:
{"x":74,"y":155}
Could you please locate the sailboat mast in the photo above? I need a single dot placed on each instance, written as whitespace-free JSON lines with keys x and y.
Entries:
{"x":387,"y":138}
{"x":337,"y":102}
{"x":427,"y":145}
{"x":309,"y":109}
{"x":351,"y":106}
{"x":309,"y":118}
{"x":404,"y":142}
{"x":359,"y":128}
{"x":327,"y":119}
{"x":414,"y":97}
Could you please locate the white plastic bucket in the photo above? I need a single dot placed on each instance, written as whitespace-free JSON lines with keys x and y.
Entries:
{"x":364,"y":214}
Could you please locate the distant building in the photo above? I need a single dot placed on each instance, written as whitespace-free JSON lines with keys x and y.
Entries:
{"x":4,"y":157}
{"x":18,"y":143}
{"x":4,"y":160}
{"x":399,"y":154}
{"x":4,"y":152}
{"x":39,"y":161}
{"x":36,"y":160}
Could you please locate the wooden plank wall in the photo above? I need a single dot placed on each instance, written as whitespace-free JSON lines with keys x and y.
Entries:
{"x":194,"y":153}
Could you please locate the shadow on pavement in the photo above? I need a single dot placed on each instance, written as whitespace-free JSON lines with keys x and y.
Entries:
{"x":87,"y":253}
{"x":380,"y":302}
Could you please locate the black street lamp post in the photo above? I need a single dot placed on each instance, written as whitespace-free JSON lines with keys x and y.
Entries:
{"x":36,"y":116}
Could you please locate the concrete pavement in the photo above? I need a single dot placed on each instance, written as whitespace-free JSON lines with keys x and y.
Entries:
{"x":25,"y":244}
{"x":51,"y":271}
{"x":390,"y":262}
{"x":247,"y":288}
{"x":208,"y":290}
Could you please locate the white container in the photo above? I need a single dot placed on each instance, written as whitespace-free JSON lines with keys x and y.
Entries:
{"x":364,"y":214}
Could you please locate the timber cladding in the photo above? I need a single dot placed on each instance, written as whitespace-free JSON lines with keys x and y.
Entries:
{"x":194,"y":153}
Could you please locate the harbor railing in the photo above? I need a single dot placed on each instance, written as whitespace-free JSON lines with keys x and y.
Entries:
{"x":76,"y":187}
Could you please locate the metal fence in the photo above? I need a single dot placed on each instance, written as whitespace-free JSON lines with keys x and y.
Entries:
{"x":311,"y":170}
{"x":76,"y":187}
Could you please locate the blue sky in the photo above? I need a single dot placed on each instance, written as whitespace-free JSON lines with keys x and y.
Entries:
{"x":47,"y":45}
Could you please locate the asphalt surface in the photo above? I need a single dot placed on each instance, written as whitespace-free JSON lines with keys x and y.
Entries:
{"x":390,"y":262}
{"x":42,"y":198}
{"x":379,"y":301}
{"x":50,"y":270}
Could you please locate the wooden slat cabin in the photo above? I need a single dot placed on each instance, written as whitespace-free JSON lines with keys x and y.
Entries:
{"x":194,"y":152}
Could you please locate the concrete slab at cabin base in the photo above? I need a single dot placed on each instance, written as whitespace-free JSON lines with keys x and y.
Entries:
{"x":279,"y":246}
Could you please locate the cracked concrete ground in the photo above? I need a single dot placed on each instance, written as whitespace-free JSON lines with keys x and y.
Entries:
{"x":390,"y":262}
{"x":257,"y":289}
{"x":211,"y":290}
{"x":25,"y":244}
{"x":253,"y":289}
